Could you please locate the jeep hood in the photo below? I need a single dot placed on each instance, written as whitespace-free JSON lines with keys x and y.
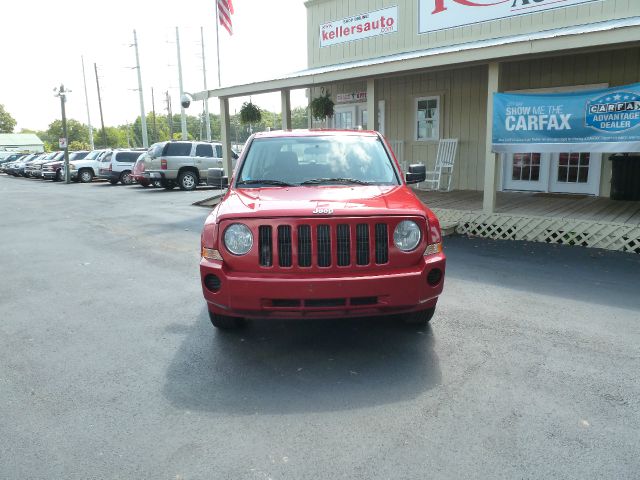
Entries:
{"x":345,"y":201}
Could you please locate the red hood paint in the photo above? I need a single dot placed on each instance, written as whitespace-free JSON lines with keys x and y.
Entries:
{"x":302,"y":201}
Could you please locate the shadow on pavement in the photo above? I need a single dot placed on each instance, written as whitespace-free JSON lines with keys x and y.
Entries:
{"x":279,"y":367}
{"x":585,"y":274}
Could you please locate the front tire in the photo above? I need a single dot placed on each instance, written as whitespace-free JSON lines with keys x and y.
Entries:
{"x":85,"y":176}
{"x":225,"y":322}
{"x":58,"y":177}
{"x":188,"y":180}
{"x":421,"y":318}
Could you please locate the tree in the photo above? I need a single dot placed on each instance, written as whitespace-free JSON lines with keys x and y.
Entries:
{"x":161,"y":133}
{"x":7,"y":122}
{"x":76,"y":145}
{"x":300,"y":117}
{"x":76,"y":132}
{"x":116,"y":137}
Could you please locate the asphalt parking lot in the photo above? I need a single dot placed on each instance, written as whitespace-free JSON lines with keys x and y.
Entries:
{"x":110,"y":369}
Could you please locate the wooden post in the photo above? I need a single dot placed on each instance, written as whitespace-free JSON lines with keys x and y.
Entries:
{"x":491,"y":159}
{"x":372,"y":105}
{"x":225,"y":133}
{"x":285,"y":101}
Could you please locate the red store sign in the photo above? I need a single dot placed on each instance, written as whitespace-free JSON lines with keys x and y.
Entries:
{"x":357,"y":27}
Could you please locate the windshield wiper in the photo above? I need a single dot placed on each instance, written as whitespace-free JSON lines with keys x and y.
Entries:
{"x":317,"y":181}
{"x":277,"y":183}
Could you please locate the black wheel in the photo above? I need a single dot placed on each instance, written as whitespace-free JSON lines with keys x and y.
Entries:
{"x":58,"y":176}
{"x":85,"y":176}
{"x":168,"y":184}
{"x":423,"y":317}
{"x":188,"y":180}
{"x":126,"y":178}
{"x":225,"y":322}
{"x":113,"y":182}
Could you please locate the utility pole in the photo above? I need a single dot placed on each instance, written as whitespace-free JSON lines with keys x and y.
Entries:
{"x":183,"y":117}
{"x":143,"y":118}
{"x":104,"y":133}
{"x":207,"y":121}
{"x":127,"y":132}
{"x":168,"y":98}
{"x":153,"y":109}
{"x":86,"y":101}
{"x":62,"y":93}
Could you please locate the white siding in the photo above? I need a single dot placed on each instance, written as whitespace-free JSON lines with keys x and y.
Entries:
{"x":463,"y":102}
{"x":408,"y":39}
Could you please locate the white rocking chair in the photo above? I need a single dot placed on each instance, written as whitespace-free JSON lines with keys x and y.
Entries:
{"x":445,"y":159}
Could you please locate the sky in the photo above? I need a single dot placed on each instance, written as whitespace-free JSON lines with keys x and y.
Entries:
{"x":44,"y":41}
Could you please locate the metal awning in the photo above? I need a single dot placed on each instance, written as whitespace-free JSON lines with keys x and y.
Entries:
{"x":601,"y":34}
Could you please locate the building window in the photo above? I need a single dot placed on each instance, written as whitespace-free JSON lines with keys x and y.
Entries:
{"x":427,"y":118}
{"x":573,"y":167}
{"x":526,"y":167}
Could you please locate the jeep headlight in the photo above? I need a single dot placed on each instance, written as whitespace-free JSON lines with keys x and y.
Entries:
{"x":407,"y":235}
{"x":238,"y":239}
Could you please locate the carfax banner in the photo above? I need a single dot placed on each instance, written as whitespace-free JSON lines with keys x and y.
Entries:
{"x":607,"y":120}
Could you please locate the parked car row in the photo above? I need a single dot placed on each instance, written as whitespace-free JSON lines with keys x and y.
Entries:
{"x":172,"y":164}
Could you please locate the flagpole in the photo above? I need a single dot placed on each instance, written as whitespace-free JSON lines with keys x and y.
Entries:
{"x":218,"y":42}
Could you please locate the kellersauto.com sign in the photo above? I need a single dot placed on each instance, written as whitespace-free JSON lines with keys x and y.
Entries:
{"x":441,"y":14}
{"x":359,"y":26}
{"x":606,"y":120}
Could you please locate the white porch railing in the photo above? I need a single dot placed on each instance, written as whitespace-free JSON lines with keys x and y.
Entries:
{"x":398,"y":148}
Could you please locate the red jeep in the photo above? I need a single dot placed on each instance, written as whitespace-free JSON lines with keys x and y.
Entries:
{"x":321,"y":224}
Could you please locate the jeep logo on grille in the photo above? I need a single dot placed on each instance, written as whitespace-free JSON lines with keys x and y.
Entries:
{"x":323,"y":211}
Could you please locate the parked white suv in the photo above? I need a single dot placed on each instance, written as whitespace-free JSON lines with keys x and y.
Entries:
{"x":116,"y":165}
{"x":182,"y":164}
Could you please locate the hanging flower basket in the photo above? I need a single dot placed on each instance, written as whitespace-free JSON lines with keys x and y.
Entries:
{"x":322,"y":106}
{"x":250,"y":113}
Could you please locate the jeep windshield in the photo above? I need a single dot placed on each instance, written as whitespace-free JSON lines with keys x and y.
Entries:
{"x":316,"y":160}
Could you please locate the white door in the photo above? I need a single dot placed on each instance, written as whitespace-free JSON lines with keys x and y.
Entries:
{"x":344,"y":117}
{"x":575,"y":172}
{"x":526,"y":171}
{"x":351,"y":117}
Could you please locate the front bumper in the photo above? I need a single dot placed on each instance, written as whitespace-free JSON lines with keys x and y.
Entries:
{"x":261,"y":295}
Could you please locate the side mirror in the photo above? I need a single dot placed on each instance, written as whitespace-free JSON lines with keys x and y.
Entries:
{"x":417,"y":173}
{"x":216,"y":178}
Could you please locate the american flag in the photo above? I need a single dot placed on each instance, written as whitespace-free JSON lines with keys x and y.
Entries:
{"x":225,"y":10}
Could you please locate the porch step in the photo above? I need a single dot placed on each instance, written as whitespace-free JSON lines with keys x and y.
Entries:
{"x":448,"y":228}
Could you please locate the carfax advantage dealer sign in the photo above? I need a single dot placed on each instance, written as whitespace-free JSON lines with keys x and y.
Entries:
{"x":442,"y":14}
{"x":356,"y":27}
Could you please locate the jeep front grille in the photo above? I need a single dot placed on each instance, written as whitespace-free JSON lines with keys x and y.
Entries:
{"x":317,"y":244}
{"x":284,"y":245}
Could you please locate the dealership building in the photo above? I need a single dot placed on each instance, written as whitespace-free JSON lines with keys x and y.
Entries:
{"x":421,"y":71}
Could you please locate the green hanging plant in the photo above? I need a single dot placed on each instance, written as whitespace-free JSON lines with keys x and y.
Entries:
{"x":250,"y":113}
{"x":322,"y":106}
